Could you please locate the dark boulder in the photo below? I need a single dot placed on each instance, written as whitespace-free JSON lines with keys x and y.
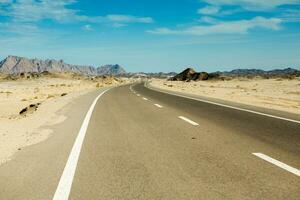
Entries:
{"x":190,"y":74}
{"x":186,"y":75}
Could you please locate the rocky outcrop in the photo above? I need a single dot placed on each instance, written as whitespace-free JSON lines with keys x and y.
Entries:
{"x":29,"y":109}
{"x":190,"y":74}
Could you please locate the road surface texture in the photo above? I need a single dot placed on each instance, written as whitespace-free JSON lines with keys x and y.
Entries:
{"x":145,"y":144}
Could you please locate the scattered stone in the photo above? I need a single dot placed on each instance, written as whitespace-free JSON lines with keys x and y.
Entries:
{"x":63,"y":94}
{"x":29,"y":109}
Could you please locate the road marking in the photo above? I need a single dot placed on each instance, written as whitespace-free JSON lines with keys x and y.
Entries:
{"x":64,"y":186}
{"x":188,"y":120}
{"x":157,"y":105}
{"x":278,"y":163}
{"x":227,"y":106}
{"x":145,"y":99}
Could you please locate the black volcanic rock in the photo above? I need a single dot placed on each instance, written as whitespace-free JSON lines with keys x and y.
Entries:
{"x":190,"y":74}
{"x":186,"y":75}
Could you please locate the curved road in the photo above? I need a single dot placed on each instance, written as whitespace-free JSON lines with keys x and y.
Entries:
{"x":145,"y":144}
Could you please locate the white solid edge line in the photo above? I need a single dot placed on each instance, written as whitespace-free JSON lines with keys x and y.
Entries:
{"x":145,"y":99}
{"x":188,"y":120}
{"x":278,"y":163}
{"x":157,"y":105}
{"x":64,"y":186}
{"x":227,"y":106}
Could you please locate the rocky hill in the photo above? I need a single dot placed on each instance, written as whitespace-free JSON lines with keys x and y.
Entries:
{"x":16,"y":65}
{"x":190,"y":74}
{"x":111,"y":70}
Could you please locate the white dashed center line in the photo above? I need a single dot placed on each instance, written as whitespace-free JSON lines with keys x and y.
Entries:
{"x":188,"y":120}
{"x":145,"y":99}
{"x":157,"y":105}
{"x":278,"y":163}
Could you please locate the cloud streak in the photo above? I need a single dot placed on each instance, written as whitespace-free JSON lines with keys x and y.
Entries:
{"x":31,"y":11}
{"x":223,"y":27}
{"x":209,"y":10}
{"x":253,"y":5}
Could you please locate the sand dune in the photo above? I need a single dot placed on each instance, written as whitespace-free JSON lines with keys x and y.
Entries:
{"x":278,"y":94}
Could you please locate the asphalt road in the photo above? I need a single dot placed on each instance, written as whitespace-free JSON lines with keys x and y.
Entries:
{"x":144,"y":144}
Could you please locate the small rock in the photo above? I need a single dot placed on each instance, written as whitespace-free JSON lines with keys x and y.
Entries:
{"x":29,"y":109}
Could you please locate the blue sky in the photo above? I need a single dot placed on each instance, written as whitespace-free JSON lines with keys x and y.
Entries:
{"x":155,"y":35}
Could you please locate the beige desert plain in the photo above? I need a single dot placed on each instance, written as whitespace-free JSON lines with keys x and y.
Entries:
{"x":278,"y":94}
{"x":53,"y":94}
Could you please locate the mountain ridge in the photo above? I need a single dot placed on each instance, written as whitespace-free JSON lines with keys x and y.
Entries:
{"x":16,"y":64}
{"x":260,"y":72}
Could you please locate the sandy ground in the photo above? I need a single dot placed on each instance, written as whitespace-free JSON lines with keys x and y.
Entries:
{"x":278,"y":94}
{"x":18,"y":131}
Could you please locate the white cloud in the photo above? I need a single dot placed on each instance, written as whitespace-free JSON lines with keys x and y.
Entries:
{"x":209,"y":10}
{"x":87,"y":27}
{"x":255,"y":5}
{"x":208,"y":20}
{"x":128,"y":19}
{"x":163,"y":31}
{"x":32,"y":10}
{"x":57,"y":10}
{"x":5,"y":1}
{"x":228,"y":27}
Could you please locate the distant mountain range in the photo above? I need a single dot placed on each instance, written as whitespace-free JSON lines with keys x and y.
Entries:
{"x":259,"y":72}
{"x":190,"y":74}
{"x":15,"y":65}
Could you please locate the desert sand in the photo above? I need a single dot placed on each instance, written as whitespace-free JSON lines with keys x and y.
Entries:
{"x":277,"y":94}
{"x":18,"y":131}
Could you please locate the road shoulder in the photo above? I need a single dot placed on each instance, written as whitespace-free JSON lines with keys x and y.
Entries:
{"x":35,"y":171}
